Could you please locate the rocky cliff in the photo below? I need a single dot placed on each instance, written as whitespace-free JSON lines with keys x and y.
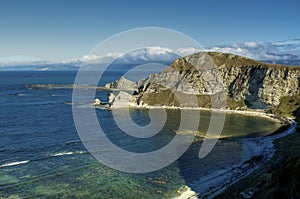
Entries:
{"x":121,"y":84}
{"x":245,"y":82}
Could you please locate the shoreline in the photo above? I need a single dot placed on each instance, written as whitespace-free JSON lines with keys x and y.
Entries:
{"x":261,"y":150}
{"x":250,"y":112}
{"x":258,"y":151}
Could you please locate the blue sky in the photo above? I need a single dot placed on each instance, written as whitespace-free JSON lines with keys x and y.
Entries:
{"x":60,"y":30}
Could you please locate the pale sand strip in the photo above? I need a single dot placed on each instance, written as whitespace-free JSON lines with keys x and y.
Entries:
{"x":257,"y":113}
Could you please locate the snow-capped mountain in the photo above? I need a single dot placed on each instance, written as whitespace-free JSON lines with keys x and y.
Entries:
{"x":143,"y":55}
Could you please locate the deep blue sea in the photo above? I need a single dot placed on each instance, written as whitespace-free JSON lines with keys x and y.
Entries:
{"x":41,"y":155}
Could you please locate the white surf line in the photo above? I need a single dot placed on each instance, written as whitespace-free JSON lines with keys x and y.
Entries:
{"x":54,"y":155}
{"x":68,"y":153}
{"x":14,"y":163}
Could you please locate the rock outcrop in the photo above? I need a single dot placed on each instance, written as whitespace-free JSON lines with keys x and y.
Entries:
{"x":122,"y":84}
{"x":245,"y":82}
{"x":121,"y":99}
{"x":97,"y":102}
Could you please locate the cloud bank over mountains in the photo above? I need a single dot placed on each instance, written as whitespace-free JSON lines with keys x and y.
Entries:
{"x":276,"y":52}
{"x":270,"y":51}
{"x":281,"y":50}
{"x":155,"y":53}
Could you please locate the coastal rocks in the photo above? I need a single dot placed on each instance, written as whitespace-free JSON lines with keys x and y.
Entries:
{"x":121,"y":99}
{"x":97,"y":102}
{"x":122,"y":84}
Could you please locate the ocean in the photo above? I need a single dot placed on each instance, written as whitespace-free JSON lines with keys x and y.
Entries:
{"x":41,"y":155}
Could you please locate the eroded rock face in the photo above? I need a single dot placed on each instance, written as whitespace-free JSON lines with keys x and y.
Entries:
{"x":122,"y":84}
{"x":258,"y":85}
{"x":263,"y":86}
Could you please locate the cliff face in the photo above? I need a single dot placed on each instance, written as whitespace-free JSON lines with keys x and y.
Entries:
{"x":247,"y":82}
{"x":261,"y":86}
{"x":121,"y":84}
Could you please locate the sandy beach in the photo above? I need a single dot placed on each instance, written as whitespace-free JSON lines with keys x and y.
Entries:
{"x":256,"y":113}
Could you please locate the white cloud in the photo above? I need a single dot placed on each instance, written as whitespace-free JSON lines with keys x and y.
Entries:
{"x":282,"y":50}
{"x":155,"y":53}
{"x":251,"y":44}
{"x":234,"y":50}
{"x":103,"y":58}
{"x":187,"y":51}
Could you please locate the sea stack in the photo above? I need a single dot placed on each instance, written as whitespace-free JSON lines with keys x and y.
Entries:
{"x":97,"y":102}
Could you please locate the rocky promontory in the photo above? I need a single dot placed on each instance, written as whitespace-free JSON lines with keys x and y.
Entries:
{"x":246,"y":83}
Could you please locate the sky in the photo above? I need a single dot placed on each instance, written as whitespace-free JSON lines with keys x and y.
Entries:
{"x":62,"y":30}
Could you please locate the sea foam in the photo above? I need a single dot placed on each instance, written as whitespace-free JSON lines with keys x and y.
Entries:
{"x":14,"y":163}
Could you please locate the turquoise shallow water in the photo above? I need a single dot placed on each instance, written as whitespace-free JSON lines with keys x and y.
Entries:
{"x":41,"y":155}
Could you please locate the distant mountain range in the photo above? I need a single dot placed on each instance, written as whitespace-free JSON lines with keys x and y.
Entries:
{"x":280,"y":52}
{"x":39,"y":67}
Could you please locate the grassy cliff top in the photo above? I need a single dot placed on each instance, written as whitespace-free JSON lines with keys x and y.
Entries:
{"x":234,"y":60}
{"x":220,"y":60}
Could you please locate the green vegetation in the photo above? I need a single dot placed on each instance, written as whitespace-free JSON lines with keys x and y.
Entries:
{"x":227,"y":59}
{"x":235,"y":60}
{"x":289,"y":107}
{"x":219,"y":59}
{"x":168,"y":97}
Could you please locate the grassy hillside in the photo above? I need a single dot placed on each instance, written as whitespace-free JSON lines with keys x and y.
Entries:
{"x":289,"y":106}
